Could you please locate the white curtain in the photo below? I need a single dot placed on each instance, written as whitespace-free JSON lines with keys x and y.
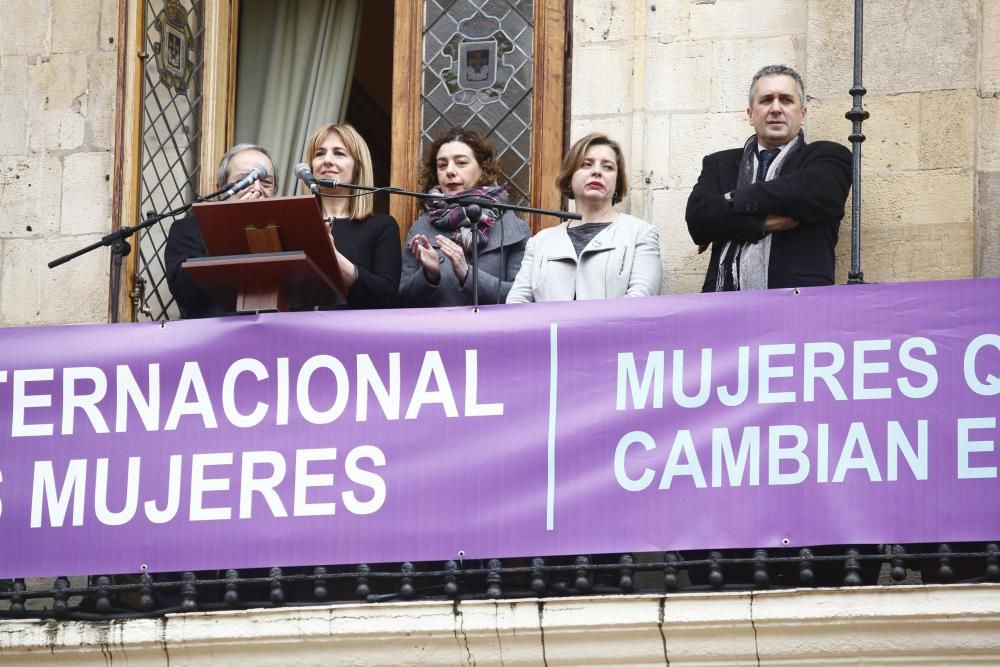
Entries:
{"x":296,"y":63}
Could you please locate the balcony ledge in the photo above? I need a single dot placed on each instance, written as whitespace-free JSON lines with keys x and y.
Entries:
{"x":904,"y":625}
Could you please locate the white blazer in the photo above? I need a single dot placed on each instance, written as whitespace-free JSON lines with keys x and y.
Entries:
{"x":622,"y":260}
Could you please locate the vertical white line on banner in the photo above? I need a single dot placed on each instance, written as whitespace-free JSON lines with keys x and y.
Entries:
{"x":550,"y":500}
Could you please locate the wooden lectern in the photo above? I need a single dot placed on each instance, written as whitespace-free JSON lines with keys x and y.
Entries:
{"x":266,"y":255}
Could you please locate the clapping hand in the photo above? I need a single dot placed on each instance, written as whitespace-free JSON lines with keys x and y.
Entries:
{"x":456,"y":255}
{"x":427,"y":256}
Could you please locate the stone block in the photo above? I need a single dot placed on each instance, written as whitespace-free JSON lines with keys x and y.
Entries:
{"x":683,"y":268}
{"x":30,"y":195}
{"x":59,"y":129}
{"x":108,"y":34}
{"x":74,"y":29}
{"x":989,"y":134}
{"x":730,"y":19}
{"x":830,"y":48}
{"x":917,"y":198}
{"x":13,"y":125}
{"x":693,"y":136}
{"x":656,"y":163}
{"x":988,"y":225}
{"x":679,"y":76}
{"x":668,"y":20}
{"x":102,"y":88}
{"x":735,"y":61}
{"x":617,"y":127}
{"x":58,"y":82}
{"x":599,"y":21}
{"x":14,"y":75}
{"x":32,"y":294}
{"x":86,"y":194}
{"x":608,"y":69}
{"x":24,"y":29}
{"x":916,"y":46}
{"x":892,"y":134}
{"x":825,"y":121}
{"x":989,"y":78}
{"x":948,"y":129}
{"x":899,"y":253}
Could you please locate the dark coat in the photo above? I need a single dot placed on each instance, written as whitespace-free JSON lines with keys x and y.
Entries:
{"x":494,"y":280}
{"x":812,"y":190}
{"x":184,"y":242}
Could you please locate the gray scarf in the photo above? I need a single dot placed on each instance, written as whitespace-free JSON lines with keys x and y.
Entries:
{"x":746,"y":262}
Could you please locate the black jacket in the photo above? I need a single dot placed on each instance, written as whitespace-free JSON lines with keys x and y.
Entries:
{"x":812,"y":190}
{"x":184,"y":242}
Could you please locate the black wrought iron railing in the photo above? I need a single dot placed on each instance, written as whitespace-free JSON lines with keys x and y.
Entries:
{"x":147,"y":594}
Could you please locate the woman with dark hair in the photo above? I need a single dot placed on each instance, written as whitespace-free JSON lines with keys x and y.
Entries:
{"x":366,"y":243}
{"x":604,"y":255}
{"x":437,"y":265}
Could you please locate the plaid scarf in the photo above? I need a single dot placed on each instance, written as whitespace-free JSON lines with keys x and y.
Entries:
{"x":451,"y":219}
{"x":743,"y":265}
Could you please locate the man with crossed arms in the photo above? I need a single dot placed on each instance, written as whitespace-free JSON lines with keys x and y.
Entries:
{"x":771,"y":210}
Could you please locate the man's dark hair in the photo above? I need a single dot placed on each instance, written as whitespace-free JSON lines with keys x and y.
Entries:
{"x":778,"y":70}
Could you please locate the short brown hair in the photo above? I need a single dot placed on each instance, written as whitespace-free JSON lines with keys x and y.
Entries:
{"x":482,"y":150}
{"x":361,"y":207}
{"x":574,"y":158}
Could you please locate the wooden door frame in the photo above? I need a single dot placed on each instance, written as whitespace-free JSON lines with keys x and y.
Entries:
{"x":548,"y":127}
{"x":219,"y":101}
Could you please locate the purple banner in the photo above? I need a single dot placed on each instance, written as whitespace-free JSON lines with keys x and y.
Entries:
{"x":864,"y":414}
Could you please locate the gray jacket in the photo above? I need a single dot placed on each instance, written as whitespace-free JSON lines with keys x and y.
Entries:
{"x":622,"y":260}
{"x":415,"y":291}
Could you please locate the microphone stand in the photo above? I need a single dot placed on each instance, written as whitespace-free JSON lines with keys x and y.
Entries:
{"x":473,"y":210}
{"x":120,"y":247}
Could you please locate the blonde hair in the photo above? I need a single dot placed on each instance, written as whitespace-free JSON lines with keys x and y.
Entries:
{"x":574,"y":159}
{"x":360,"y":207}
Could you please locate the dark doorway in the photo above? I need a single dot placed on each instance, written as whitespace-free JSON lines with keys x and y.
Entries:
{"x":369,"y":107}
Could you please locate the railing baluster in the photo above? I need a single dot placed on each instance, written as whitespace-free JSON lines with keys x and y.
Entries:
{"x":539,"y":581}
{"x":807,"y":575}
{"x":625,"y":579}
{"x":671,"y":582}
{"x":277,"y":587}
{"x":451,"y":579}
{"x":761,"y":579}
{"x":146,"y":600}
{"x":17,"y":600}
{"x":320,"y":592}
{"x":582,"y":583}
{"x":232,"y":595}
{"x":898,"y":571}
{"x":992,"y":562}
{"x":852,"y":569}
{"x":363,"y":590}
{"x":945,"y":572}
{"x":189,"y":592}
{"x":494,"y":580}
{"x":102,"y":603}
{"x":857,"y":115}
{"x":716,"y":579}
{"x":406,"y":590}
{"x":59,"y":607}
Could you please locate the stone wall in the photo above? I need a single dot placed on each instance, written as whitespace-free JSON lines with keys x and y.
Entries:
{"x":57,"y":104}
{"x":670,"y":79}
{"x":988,"y":148}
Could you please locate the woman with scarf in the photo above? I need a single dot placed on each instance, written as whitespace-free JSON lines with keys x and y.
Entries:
{"x":606,"y":254}
{"x":437,"y":263}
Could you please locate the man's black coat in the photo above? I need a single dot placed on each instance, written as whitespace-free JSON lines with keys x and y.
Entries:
{"x":811,"y":189}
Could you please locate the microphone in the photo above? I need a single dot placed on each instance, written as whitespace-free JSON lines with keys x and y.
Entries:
{"x":304,"y":174}
{"x":258,"y":172}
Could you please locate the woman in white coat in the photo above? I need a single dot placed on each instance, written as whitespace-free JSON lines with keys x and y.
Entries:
{"x":606,"y":254}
